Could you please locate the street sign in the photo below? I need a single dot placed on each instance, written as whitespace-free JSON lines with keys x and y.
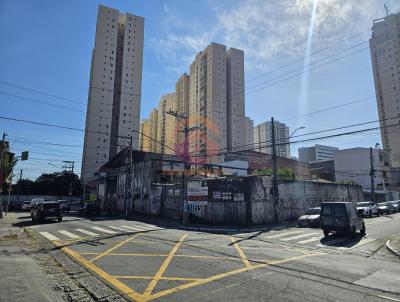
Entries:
{"x":24,"y":155}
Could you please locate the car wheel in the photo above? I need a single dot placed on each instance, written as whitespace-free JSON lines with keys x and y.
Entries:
{"x":377,"y":214}
{"x":370,"y":214}
{"x":363,"y":230}
{"x":353,"y":231}
{"x":326,"y":233}
{"x":59,"y":219}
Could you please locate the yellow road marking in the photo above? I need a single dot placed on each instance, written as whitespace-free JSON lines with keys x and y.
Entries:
{"x":388,"y":298}
{"x":112,"y":280}
{"x":163,"y":267}
{"x":220,"y":276}
{"x":162,"y":278}
{"x":105,"y":253}
{"x":241,"y":253}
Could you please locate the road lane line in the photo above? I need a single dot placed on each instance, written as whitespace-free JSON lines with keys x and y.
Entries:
{"x":358,"y":244}
{"x":69,"y":234}
{"x":312,"y":239}
{"x":283,"y":234}
{"x":105,"y":253}
{"x":298,"y":237}
{"x":113,"y":281}
{"x":103,"y":230}
{"x":134,"y":228}
{"x":87,"y":232}
{"x":223,"y":275}
{"x":49,"y":236}
{"x":118,"y":228}
{"x":149,"y":289}
{"x":240,"y":252}
{"x":388,"y":298}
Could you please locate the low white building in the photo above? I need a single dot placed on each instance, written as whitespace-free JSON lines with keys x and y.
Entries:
{"x":355,"y":165}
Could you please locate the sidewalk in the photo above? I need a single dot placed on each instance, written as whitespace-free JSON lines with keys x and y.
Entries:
{"x":22,"y":279}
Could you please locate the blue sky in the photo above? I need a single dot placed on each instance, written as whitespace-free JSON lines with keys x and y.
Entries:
{"x":47,"y":46}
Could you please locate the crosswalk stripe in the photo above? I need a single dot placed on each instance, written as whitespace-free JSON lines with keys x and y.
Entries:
{"x":134,"y":228}
{"x":118,"y":228}
{"x":360,"y":243}
{"x":312,"y":239}
{"x":87,"y":232}
{"x":283,"y":234}
{"x":104,"y":230}
{"x":298,"y":236}
{"x":332,"y":242}
{"x":49,"y":236}
{"x":69,"y":234}
{"x":147,"y":227}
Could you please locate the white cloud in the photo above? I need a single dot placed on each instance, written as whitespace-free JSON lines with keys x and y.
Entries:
{"x":265,"y":30}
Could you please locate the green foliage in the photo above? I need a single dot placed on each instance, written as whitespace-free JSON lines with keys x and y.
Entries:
{"x":283,"y":173}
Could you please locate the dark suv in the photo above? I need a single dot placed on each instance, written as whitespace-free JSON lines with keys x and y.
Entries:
{"x":89,"y":208}
{"x":341,"y":217}
{"x":46,"y":209}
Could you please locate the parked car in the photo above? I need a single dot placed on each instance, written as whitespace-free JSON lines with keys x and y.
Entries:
{"x":311,"y":218}
{"x":46,"y":209}
{"x":26,"y":205}
{"x":89,"y":208}
{"x":396,"y":205}
{"x":341,"y":217}
{"x":368,"y":208}
{"x":385,"y":208}
{"x":65,"y":205}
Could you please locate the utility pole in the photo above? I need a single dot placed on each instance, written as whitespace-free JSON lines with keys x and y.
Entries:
{"x":184,"y":120}
{"x":2,"y":168}
{"x":372,"y":174}
{"x":19,"y":184}
{"x":69,"y":167}
{"x":128,"y":184}
{"x":275,"y":193}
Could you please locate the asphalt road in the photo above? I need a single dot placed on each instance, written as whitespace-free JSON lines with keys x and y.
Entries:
{"x":146,"y":262}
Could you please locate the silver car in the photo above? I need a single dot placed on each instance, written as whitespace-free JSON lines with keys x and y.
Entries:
{"x":368,"y":208}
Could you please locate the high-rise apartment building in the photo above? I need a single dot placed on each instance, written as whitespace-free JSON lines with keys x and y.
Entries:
{"x":113,"y":110}
{"x":182,"y":107}
{"x":216,"y":102}
{"x":235,"y":105}
{"x":166,"y":130}
{"x":249,"y":126}
{"x":385,"y":54}
{"x":263,"y":138}
{"x":153,"y":129}
{"x":144,"y":141}
{"x":316,"y":153}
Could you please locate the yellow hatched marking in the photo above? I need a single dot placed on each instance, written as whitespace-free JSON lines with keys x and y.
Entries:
{"x":163,"y":267}
{"x":220,"y":276}
{"x":241,"y":253}
{"x":105,"y":253}
{"x":162,"y":278}
{"x":112,"y":280}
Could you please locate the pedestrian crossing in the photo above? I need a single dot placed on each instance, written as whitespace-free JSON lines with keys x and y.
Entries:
{"x":311,"y":238}
{"x":95,"y":231}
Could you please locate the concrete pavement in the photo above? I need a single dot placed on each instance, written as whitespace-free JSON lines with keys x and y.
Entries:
{"x":146,"y":262}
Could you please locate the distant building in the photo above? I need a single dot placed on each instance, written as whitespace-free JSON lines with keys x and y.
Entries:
{"x":144,"y":141}
{"x":323,"y":169}
{"x":113,"y":110}
{"x":263,"y":138}
{"x":166,"y":130}
{"x":354,"y":165}
{"x":182,"y":107}
{"x":216,"y":102}
{"x":249,"y":127}
{"x":317,"y":152}
{"x":385,"y":55}
{"x":153,"y":129}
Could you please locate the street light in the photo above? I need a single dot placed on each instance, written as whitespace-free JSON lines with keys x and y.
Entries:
{"x":300,"y":128}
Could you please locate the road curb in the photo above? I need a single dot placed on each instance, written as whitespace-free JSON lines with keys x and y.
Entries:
{"x":390,"y":248}
{"x":232,"y":230}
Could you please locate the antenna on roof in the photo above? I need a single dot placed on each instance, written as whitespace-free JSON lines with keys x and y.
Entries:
{"x":387,"y":9}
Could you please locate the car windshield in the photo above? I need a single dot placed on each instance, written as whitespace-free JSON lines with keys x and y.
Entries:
{"x":382,"y":204}
{"x":314,"y":211}
{"x":363,"y":204}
